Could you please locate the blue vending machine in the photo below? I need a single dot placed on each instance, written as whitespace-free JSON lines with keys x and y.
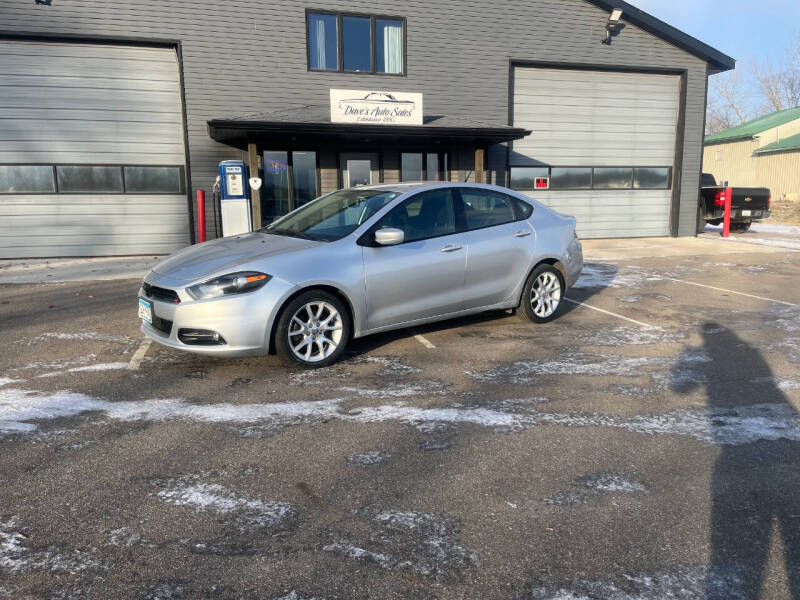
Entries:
{"x":234,"y":198}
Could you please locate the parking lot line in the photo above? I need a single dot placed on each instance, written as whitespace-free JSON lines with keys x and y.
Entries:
{"x":422,"y":340}
{"x":719,"y":289}
{"x":137,"y":357}
{"x":613,"y":314}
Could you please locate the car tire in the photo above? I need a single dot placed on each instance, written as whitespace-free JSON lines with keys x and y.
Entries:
{"x":313,"y":330}
{"x":543,"y":294}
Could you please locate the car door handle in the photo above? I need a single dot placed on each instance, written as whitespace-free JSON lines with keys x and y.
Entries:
{"x":522,"y":233}
{"x":451,"y":248}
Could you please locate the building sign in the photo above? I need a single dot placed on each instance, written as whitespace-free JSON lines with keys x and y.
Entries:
{"x":376,"y":108}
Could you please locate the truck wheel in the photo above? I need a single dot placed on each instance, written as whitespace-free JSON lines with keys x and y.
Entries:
{"x":741,"y":227}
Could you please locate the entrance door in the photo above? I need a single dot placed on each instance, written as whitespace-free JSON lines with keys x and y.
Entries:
{"x":359,"y":169}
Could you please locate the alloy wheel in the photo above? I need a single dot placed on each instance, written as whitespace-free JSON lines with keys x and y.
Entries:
{"x":315,"y":331}
{"x":545,"y":294}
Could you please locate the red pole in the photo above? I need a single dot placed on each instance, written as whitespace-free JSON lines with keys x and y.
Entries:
{"x":201,"y":216}
{"x":726,"y":221}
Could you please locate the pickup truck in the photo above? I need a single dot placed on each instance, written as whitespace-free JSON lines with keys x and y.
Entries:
{"x":747,"y":205}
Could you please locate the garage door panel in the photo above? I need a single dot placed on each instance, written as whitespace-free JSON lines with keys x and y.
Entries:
{"x":93,"y":104}
{"x":582,"y":118}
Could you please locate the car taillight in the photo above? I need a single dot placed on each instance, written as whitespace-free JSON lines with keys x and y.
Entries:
{"x":769,"y":202}
{"x":719,"y":199}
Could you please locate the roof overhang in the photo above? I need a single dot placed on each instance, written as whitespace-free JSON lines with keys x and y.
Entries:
{"x":717,"y":61}
{"x":239,"y":132}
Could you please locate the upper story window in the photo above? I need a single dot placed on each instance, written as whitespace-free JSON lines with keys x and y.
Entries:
{"x":355,"y":43}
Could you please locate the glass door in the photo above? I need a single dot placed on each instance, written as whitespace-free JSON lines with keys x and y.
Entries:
{"x":359,"y":169}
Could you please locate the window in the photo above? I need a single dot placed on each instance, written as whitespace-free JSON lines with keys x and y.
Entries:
{"x":587,"y":178}
{"x":26,"y":179}
{"x":522,"y":178}
{"x":485,"y":208}
{"x":333,"y":216}
{"x":411,"y":166}
{"x":275,"y":185}
{"x":571,"y":178}
{"x":323,"y":42}
{"x":613,"y":178}
{"x":356,"y":43}
{"x":154,"y":180}
{"x":89,"y":179}
{"x":389,"y":46}
{"x":304,"y":175}
{"x":426,"y":215}
{"x":651,"y":178}
{"x":418,"y":166}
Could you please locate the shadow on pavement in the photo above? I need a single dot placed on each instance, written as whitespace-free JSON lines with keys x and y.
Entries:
{"x":755,"y":486}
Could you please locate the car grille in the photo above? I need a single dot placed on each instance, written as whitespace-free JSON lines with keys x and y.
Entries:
{"x":162,"y":325}
{"x":159,"y":293}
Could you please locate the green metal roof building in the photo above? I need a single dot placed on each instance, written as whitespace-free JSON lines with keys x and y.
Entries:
{"x":761,"y":152}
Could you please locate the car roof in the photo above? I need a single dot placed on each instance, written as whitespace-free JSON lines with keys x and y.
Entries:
{"x":411,"y":186}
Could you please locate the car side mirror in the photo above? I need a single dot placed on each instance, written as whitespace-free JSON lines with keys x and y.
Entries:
{"x":389,"y":236}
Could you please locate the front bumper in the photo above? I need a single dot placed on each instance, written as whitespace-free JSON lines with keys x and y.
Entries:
{"x":244,"y":321}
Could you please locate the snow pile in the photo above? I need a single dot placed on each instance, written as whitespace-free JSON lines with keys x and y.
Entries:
{"x":368,"y":458}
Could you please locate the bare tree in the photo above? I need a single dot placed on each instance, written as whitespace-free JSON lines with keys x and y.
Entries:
{"x":728,"y":104}
{"x":780,"y":84}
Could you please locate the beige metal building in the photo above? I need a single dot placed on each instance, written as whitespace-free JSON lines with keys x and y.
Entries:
{"x":763,"y":152}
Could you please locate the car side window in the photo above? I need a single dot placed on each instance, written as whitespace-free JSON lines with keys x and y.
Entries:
{"x":485,"y":208}
{"x":426,"y":215}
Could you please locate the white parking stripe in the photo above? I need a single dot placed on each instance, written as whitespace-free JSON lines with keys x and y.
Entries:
{"x":137,"y":357}
{"x":422,"y":340}
{"x":613,"y":314}
{"x":719,"y":289}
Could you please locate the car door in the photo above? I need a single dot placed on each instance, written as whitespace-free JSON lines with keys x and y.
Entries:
{"x":500,"y":244}
{"x":424,"y":276}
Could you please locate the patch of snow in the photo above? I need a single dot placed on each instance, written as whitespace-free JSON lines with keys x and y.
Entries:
{"x":7,"y":380}
{"x":127,"y":538}
{"x":354,"y":552}
{"x":83,"y":336}
{"x":99,"y":367}
{"x":773,"y":242}
{"x":15,"y":557}
{"x":600,"y":275}
{"x":611,"y":482}
{"x":397,"y":390}
{"x":687,"y":582}
{"x":769,"y":228}
{"x":57,"y":364}
{"x":293,"y":595}
{"x":782,"y":383}
{"x":375,"y":457}
{"x":250,"y":513}
{"x":629,"y":336}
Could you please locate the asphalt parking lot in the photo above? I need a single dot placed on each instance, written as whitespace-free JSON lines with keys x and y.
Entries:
{"x":645,"y":445}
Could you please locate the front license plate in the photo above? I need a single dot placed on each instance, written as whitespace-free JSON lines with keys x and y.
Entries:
{"x":747,"y":213}
{"x":145,"y":311}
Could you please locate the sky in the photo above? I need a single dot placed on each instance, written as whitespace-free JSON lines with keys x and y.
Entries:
{"x":747,"y":30}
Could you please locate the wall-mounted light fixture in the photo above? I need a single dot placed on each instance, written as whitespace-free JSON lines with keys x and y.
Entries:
{"x":614,"y":25}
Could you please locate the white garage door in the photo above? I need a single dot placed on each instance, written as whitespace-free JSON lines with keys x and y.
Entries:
{"x":92,"y":157}
{"x":606,"y":141}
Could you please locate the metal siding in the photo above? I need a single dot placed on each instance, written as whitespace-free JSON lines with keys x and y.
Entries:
{"x":456,"y":56}
{"x":599,"y":119}
{"x":72,"y":103}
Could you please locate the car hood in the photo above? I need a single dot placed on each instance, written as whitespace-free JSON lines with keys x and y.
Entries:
{"x":226,"y":255}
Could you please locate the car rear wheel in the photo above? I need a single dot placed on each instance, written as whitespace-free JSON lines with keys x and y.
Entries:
{"x":543,"y":293}
{"x":313,"y":330}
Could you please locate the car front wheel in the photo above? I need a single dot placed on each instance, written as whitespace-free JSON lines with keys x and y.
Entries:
{"x":543,"y":293}
{"x":313,"y":330}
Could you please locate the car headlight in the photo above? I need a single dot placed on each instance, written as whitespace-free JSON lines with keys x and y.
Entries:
{"x":235,"y":283}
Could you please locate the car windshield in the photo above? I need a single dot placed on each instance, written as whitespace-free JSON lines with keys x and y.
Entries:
{"x":330,"y":218}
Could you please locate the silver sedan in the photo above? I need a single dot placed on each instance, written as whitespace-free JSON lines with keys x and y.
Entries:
{"x":360,"y":261}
